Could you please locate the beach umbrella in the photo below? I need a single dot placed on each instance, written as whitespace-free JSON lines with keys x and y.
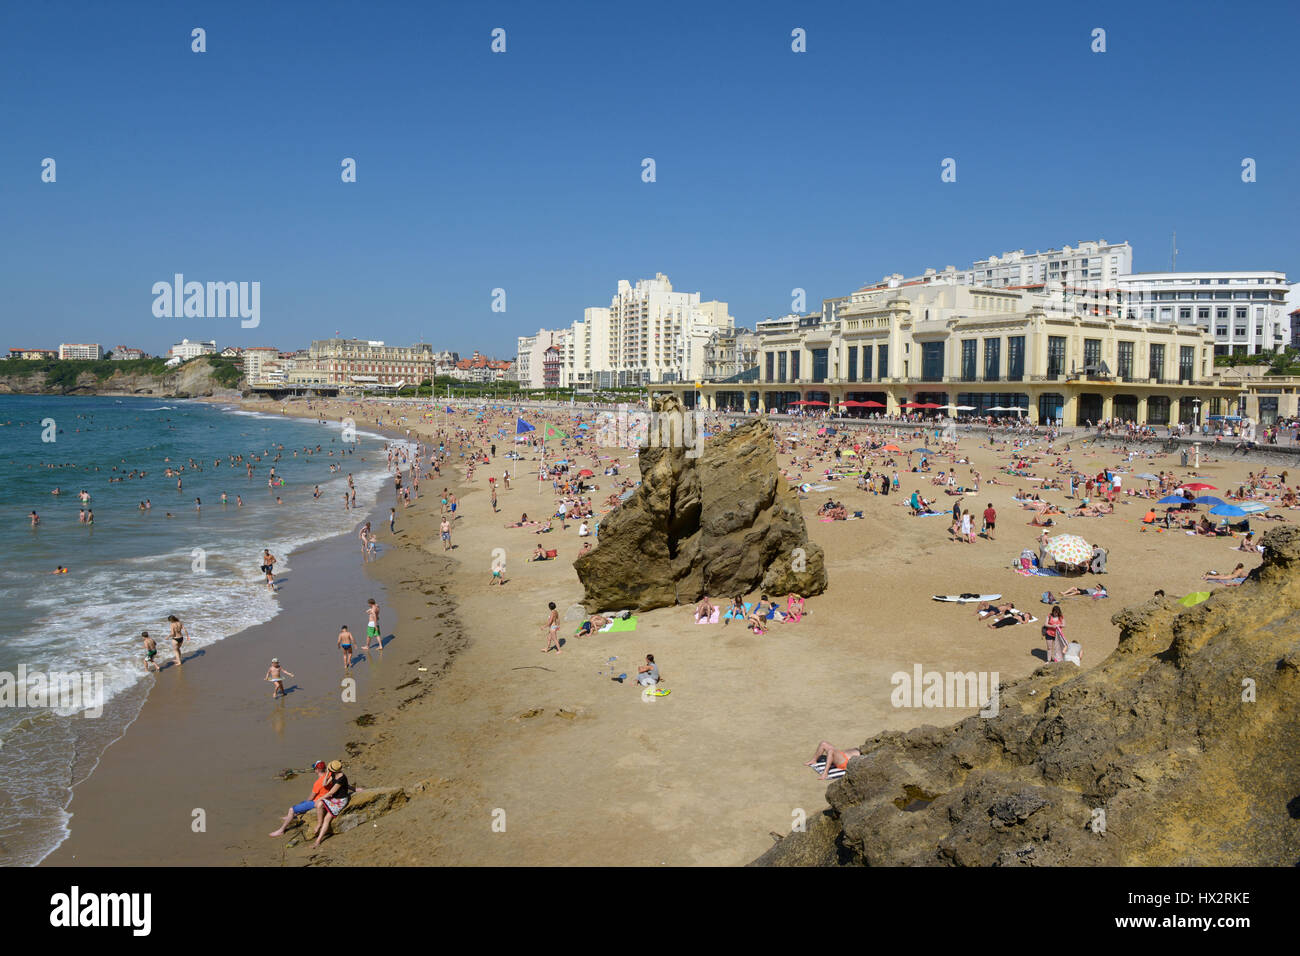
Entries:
{"x":1068,"y":549}
{"x":1253,"y":507}
{"x":891,"y":448}
{"x":1228,"y":511}
{"x":1172,"y":500}
{"x":923,"y":451}
{"x":1193,"y":599}
{"x":872,"y":404}
{"x":1208,"y":500}
{"x":586,"y":473}
{"x":1146,"y":475}
{"x":1198,"y":486}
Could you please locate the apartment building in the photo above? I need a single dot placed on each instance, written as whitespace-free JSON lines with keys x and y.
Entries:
{"x":67,"y":351}
{"x":1245,"y":311}
{"x":186,"y":350}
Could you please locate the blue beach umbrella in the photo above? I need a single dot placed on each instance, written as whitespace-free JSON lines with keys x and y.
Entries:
{"x":1208,"y":500}
{"x":1172,"y":500}
{"x":923,"y":451}
{"x":1228,"y":511}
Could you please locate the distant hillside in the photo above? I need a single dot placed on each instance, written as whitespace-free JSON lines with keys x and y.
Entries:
{"x":202,"y":376}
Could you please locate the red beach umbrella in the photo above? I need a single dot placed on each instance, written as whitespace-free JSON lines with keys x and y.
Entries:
{"x":586,"y":473}
{"x":872,"y":404}
{"x":1199,"y":486}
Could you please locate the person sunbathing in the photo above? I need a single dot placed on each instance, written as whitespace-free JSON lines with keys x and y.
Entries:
{"x":592,"y":626}
{"x":520,"y":523}
{"x":736,"y":611}
{"x":988,"y":607}
{"x":1010,"y":618}
{"x":539,"y":554}
{"x":704,"y":610}
{"x":833,"y":758}
{"x":1097,"y":592}
{"x":1237,"y":575}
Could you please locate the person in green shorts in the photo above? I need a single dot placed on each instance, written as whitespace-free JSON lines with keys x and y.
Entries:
{"x":372,"y":625}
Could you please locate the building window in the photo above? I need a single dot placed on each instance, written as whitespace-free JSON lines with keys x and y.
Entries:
{"x":794,"y":365}
{"x":1056,"y":355}
{"x":992,"y":359}
{"x":1203,"y":314}
{"x":968,"y":360}
{"x":932,"y":361}
{"x":1184,"y":315}
{"x":1124,"y":360}
{"x":866,"y":363}
{"x":882,"y":364}
{"x":1156,"y":367}
{"x":819,"y":364}
{"x":1186,"y":362}
{"x":1091,"y":353}
{"x":853,"y":363}
{"x":781,"y":358}
{"x":1015,"y":358}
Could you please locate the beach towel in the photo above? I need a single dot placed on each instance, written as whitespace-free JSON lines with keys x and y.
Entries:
{"x":820,"y":765}
{"x":711,"y":619}
{"x":628,"y":624}
{"x":1039,"y":572}
{"x":552,"y":553}
{"x":732,"y":617}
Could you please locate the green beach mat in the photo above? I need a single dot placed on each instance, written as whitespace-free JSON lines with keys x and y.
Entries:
{"x":628,"y":624}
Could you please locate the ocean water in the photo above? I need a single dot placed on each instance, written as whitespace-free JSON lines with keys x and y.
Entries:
{"x":131,"y":568}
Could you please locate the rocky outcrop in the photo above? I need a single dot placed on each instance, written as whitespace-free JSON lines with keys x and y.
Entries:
{"x":721,"y":522}
{"x":1181,"y":748}
{"x":193,"y":379}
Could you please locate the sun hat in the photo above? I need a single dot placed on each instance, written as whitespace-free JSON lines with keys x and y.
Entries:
{"x":318,"y":765}
{"x":336,"y":766}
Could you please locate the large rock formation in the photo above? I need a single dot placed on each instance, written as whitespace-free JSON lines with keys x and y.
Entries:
{"x":722,"y":523}
{"x":1182,"y":747}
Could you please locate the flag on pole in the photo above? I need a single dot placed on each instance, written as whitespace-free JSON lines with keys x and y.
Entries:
{"x":522,"y":426}
{"x":552,"y":432}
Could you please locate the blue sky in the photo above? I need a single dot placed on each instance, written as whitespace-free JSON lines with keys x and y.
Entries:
{"x":522,"y":170}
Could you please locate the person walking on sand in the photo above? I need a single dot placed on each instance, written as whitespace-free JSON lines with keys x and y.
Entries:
{"x":990,"y":521}
{"x":372,"y":625}
{"x":345,"y":645}
{"x":178,"y":635}
{"x":444,"y":531}
{"x":552,"y":626}
{"x":276,"y":675}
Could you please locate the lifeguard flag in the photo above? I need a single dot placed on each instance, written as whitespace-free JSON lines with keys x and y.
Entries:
{"x":522,"y":426}
{"x":552,"y":432}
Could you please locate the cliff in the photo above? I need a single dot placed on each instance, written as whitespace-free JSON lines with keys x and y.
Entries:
{"x":197,"y":378}
{"x":1181,"y":748}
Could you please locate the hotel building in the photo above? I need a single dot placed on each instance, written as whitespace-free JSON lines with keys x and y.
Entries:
{"x":81,"y":351}
{"x":358,"y":363}
{"x":982,"y":348}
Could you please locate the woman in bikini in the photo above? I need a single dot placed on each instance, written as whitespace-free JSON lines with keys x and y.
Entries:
{"x":833,"y":759}
{"x":178,"y":636}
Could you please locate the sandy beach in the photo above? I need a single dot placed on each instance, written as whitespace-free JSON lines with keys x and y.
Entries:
{"x":512,"y":756}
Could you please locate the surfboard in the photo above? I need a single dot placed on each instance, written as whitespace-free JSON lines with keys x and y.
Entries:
{"x":967,"y":598}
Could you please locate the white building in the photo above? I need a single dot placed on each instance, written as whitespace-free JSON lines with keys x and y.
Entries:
{"x":649,"y":334}
{"x":67,"y":351}
{"x":1092,"y":264}
{"x":528,"y":355}
{"x":1246,"y":311}
{"x":186,"y":350}
{"x":256,"y":360}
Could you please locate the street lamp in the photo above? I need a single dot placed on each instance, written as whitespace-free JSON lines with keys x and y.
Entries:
{"x":1196,"y":410}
